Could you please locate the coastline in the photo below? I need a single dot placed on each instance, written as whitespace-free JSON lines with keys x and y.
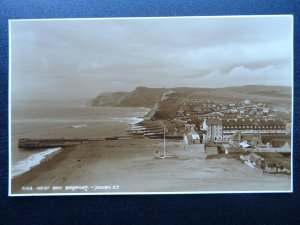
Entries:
{"x":23,"y":179}
{"x":130,"y":165}
{"x":32,"y":161}
{"x":114,"y":124}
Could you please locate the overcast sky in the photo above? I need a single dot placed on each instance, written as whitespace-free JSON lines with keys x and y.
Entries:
{"x":82,"y":58}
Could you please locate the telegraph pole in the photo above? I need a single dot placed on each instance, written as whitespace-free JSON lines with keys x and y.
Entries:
{"x":165,"y":140}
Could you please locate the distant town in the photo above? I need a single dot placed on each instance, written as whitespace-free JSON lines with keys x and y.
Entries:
{"x":221,"y":121}
{"x":255,"y":133}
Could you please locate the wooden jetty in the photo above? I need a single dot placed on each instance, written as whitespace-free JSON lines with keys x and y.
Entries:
{"x":28,"y":143}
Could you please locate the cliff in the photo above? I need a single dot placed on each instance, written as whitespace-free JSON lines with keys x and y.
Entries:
{"x":140,"y":97}
{"x":165,"y":101}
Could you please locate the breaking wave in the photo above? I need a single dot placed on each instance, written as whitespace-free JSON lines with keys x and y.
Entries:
{"x":31,"y":161}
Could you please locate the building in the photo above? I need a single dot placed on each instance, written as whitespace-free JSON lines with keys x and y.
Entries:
{"x":223,"y":129}
{"x":235,"y":139}
{"x":213,"y":115}
{"x":214,"y":129}
{"x":211,"y":148}
{"x":247,"y":102}
{"x":281,"y":143}
{"x":191,"y":137}
{"x":252,"y":126}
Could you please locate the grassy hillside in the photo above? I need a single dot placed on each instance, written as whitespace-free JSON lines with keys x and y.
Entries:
{"x":143,"y":97}
{"x":148,"y":97}
{"x":271,"y":95}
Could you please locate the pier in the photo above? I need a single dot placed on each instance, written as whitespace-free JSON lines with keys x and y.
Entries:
{"x":37,"y":143}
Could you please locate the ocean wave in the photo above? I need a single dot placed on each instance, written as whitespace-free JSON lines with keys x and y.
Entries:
{"x":136,"y":120}
{"x":78,"y":126}
{"x":130,"y":120}
{"x":31,"y":161}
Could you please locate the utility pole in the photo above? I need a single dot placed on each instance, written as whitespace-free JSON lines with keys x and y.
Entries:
{"x":165,"y":140}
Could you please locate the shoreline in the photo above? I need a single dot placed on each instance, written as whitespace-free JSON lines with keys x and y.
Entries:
{"x":33,"y":173}
{"x":78,"y":127}
{"x":44,"y":155}
{"x":130,"y":165}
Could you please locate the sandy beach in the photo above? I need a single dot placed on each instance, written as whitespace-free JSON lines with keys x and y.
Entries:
{"x":129,"y":166}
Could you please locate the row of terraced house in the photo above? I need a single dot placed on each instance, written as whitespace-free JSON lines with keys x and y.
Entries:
{"x":223,"y":129}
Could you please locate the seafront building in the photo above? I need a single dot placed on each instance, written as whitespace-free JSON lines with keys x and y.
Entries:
{"x":223,"y":129}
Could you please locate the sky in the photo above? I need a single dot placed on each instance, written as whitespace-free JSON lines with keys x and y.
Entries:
{"x":76,"y":59}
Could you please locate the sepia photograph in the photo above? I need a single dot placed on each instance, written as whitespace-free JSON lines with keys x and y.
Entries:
{"x":151,"y":105}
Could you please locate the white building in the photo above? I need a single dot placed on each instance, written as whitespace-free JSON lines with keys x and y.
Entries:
{"x":247,"y":102}
{"x":214,"y":130}
{"x":191,"y":137}
{"x":221,"y":130}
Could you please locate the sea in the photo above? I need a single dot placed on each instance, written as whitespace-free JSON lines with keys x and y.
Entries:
{"x":63,"y":119}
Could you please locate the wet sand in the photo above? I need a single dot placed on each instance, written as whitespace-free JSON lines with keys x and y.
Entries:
{"x":129,"y":166}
